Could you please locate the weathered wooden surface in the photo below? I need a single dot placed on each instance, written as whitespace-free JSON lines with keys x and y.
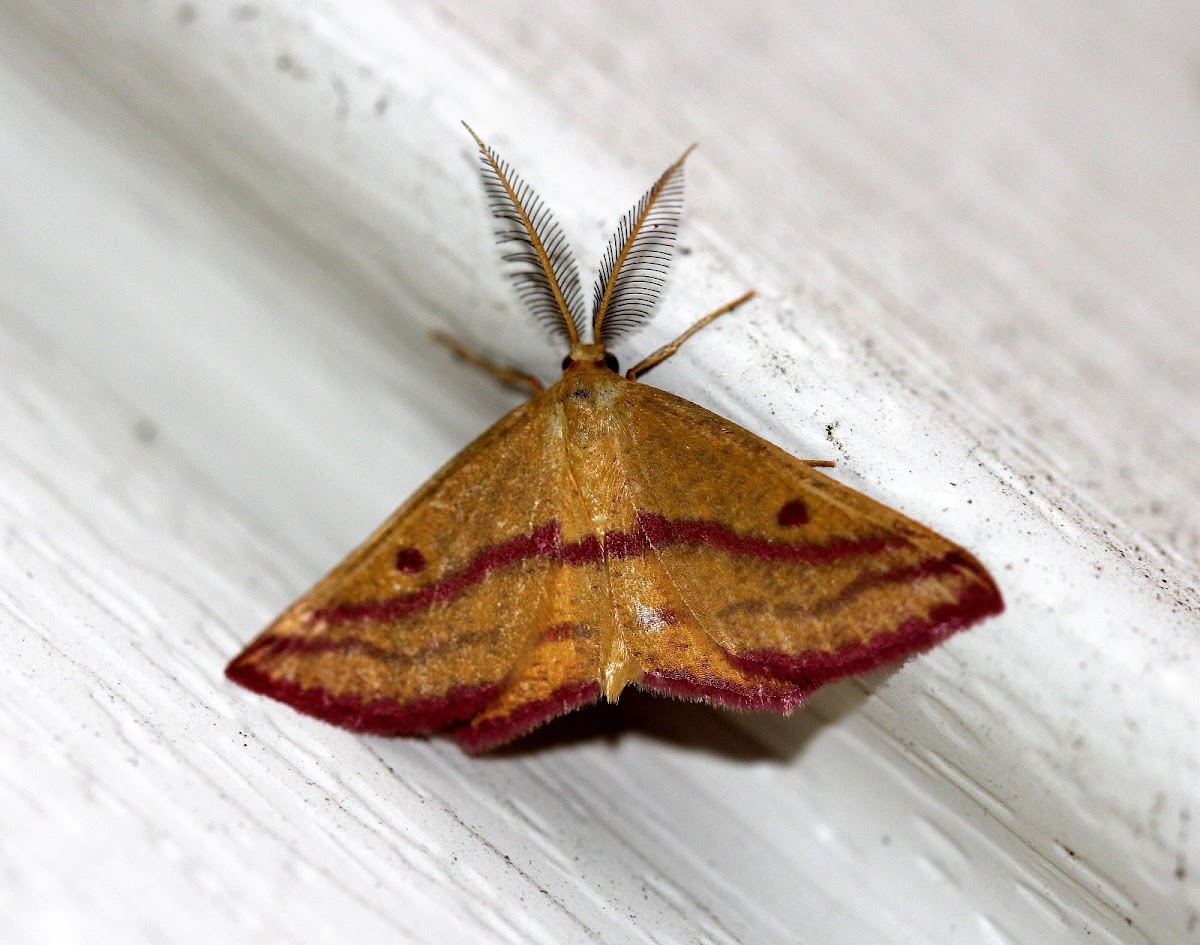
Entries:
{"x":226,"y":231}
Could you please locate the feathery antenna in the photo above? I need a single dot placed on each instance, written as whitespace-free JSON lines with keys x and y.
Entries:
{"x":638,"y":257}
{"x":539,"y":261}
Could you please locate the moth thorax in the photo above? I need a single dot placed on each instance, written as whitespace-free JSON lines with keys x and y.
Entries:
{"x":579,"y":406}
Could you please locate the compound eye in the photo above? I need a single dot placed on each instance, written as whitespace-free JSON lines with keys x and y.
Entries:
{"x":567,"y":362}
{"x":610,"y":362}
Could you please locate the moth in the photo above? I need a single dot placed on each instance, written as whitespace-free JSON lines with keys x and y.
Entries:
{"x":606,"y":533}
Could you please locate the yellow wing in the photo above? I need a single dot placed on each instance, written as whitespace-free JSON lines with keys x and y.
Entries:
{"x":764,"y":578}
{"x":458,"y":607}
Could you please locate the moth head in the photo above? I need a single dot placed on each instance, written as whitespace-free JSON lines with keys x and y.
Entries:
{"x":593,"y":355}
{"x":632,"y":275}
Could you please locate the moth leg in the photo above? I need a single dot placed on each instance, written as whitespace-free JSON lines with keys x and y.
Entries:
{"x":825,"y":463}
{"x":507,"y":376}
{"x":669,"y":349}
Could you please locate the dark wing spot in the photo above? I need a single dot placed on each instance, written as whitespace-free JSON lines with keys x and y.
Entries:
{"x":668,"y":616}
{"x":559,"y":631}
{"x":793,"y":513}
{"x":410,"y":561}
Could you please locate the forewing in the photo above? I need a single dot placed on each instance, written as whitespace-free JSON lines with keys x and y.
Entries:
{"x":791,"y":575}
{"x":456,"y":610}
{"x":665,"y":643}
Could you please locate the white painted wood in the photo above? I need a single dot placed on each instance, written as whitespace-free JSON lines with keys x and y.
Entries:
{"x":226,"y":230}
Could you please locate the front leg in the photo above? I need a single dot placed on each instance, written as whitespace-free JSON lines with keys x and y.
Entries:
{"x":507,"y":376}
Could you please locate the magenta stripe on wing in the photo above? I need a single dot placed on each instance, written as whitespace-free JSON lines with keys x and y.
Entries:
{"x":810,"y":670}
{"x":496,"y":731}
{"x":379,"y":716}
{"x":768,"y":695}
{"x":653,"y":532}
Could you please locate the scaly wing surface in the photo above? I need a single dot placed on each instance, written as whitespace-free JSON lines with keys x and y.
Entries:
{"x":780,"y":577}
{"x":468,"y":608}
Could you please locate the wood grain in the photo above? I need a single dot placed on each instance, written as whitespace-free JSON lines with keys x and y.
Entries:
{"x":227,"y":232}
